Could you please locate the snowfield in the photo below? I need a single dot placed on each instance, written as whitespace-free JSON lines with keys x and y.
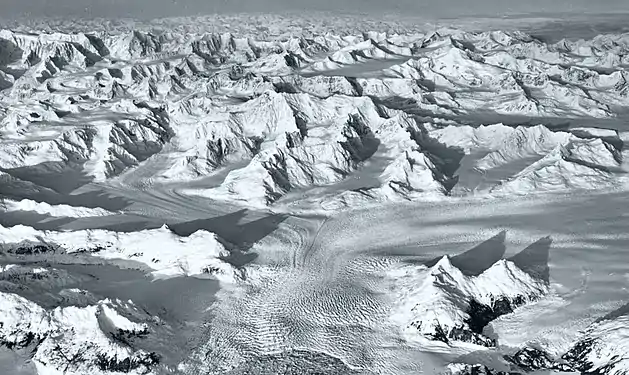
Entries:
{"x":165,"y":253}
{"x":249,"y":195}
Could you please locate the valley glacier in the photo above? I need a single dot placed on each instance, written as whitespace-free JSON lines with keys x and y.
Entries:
{"x":229,"y":195}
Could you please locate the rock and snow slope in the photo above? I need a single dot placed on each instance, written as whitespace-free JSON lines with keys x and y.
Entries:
{"x":75,"y":340}
{"x":163,"y":252}
{"x":441,"y":303}
{"x":603,"y":348}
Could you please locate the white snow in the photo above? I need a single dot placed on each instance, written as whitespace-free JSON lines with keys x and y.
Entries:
{"x":67,"y":340}
{"x":44,"y":208}
{"x":439,"y":297}
{"x":163,"y":252}
{"x":396,"y":128}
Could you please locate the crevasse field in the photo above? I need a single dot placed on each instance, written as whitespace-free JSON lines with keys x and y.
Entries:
{"x":314,"y":194}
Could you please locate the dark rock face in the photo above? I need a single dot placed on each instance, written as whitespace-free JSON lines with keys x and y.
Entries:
{"x":292,"y":60}
{"x":440,"y":335}
{"x":127,"y":365}
{"x":39,"y":248}
{"x":126,"y":337}
{"x":285,"y":87}
{"x":577,"y":358}
{"x":29,"y":338}
{"x":526,"y":360}
{"x":466,"y":335}
{"x":578,"y":352}
{"x":28,"y":248}
{"x":530,"y":359}
{"x":481,"y":315}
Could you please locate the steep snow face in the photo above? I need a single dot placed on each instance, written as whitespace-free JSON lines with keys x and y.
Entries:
{"x":75,"y":340}
{"x":442,"y":303}
{"x":162,"y":251}
{"x":261,"y":119}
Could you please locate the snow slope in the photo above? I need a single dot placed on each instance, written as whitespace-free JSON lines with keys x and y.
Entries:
{"x":44,"y":208}
{"x":163,"y":252}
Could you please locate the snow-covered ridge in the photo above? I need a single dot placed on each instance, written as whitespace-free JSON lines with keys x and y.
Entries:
{"x":507,"y":160}
{"x":75,"y":340}
{"x":163,"y":252}
{"x":43,"y":208}
{"x":601,"y":349}
{"x":442,"y":303}
{"x":452,"y":299}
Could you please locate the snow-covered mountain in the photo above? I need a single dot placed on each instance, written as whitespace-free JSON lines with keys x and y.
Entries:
{"x":193,"y":122}
{"x":442,"y":303}
{"x":162,"y":251}
{"x":275,"y":116}
{"x":600,"y":349}
{"x":95,"y":339}
{"x":603,"y":348}
{"x":57,"y":210}
{"x":463,"y":306}
{"x":505,"y":160}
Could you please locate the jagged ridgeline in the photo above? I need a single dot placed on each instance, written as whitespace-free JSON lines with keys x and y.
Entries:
{"x":271,"y":117}
{"x":454,"y":298}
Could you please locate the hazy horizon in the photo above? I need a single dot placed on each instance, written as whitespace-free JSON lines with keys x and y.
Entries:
{"x":144,"y":9}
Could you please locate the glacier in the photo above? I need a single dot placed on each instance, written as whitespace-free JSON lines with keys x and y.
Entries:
{"x":238,"y":194}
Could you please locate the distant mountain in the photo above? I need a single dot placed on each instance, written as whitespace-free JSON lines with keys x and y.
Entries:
{"x":276,"y":116}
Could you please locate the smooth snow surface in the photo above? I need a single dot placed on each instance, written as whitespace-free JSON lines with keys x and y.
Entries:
{"x":237,"y":195}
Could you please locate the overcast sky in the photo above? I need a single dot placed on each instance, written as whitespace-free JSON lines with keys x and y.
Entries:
{"x":426,"y":8}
